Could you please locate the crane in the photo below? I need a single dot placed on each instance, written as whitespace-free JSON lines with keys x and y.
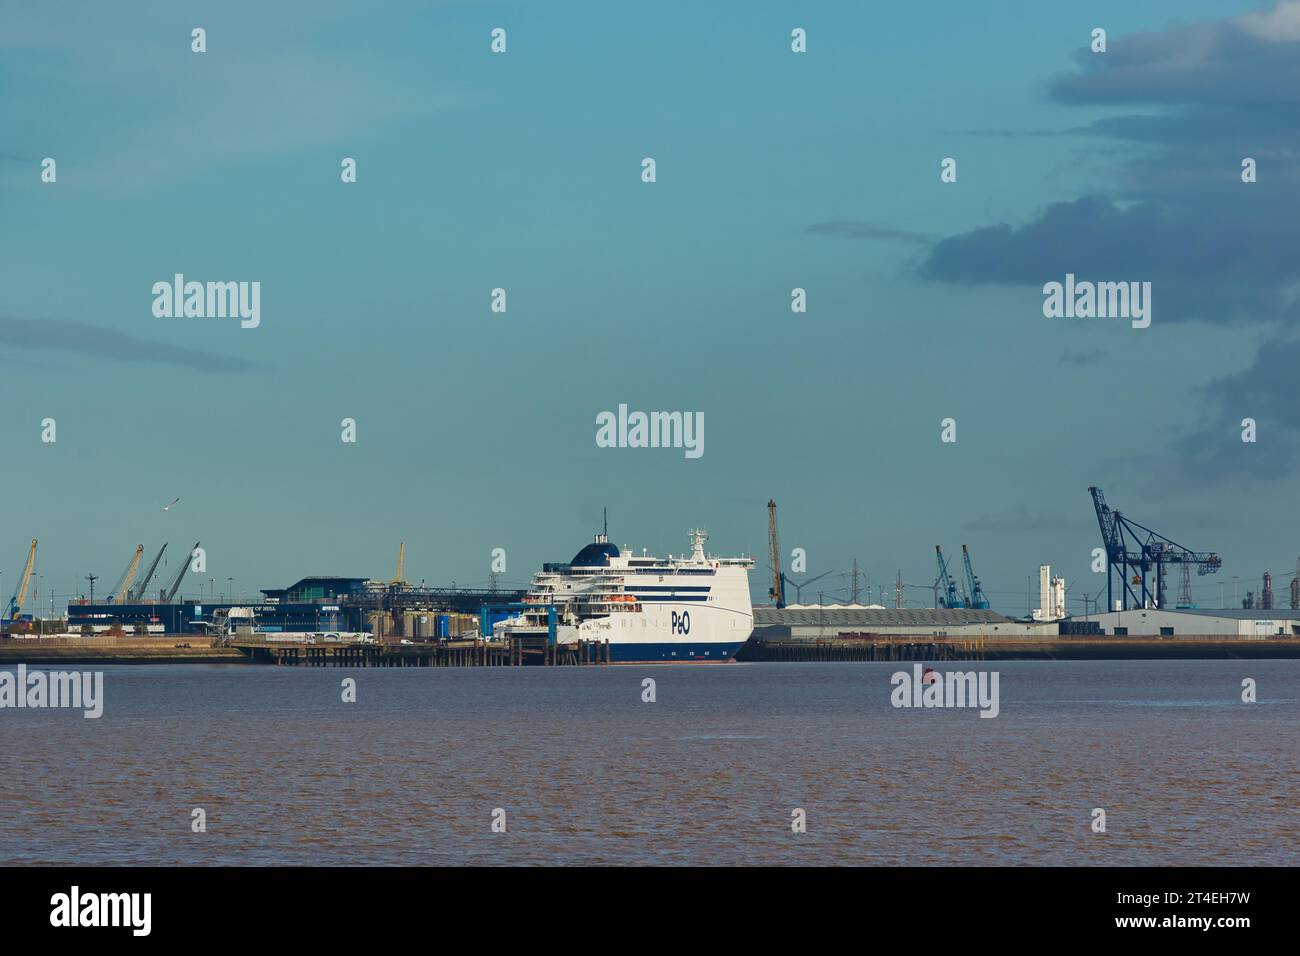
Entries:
{"x":976,"y":591}
{"x":16,"y":602}
{"x":118,"y":594}
{"x":1153,"y":550}
{"x":136,"y":594}
{"x":176,"y":584}
{"x":949,"y":597}
{"x":777,"y":591}
{"x":401,"y":566}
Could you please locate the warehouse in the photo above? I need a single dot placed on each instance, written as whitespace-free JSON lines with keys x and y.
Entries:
{"x":830,"y":621}
{"x":1252,"y":622}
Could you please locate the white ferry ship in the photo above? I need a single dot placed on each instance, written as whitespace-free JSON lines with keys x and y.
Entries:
{"x":649,"y":609}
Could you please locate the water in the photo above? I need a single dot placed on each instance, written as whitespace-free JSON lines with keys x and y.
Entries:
{"x":708,"y":774}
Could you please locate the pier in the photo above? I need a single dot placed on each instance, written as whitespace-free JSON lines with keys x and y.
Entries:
{"x":518,"y":652}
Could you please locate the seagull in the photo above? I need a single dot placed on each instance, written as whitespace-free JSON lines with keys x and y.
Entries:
{"x":169,"y":507}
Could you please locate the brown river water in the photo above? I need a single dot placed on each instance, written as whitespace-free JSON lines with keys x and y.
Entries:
{"x":709,"y":773}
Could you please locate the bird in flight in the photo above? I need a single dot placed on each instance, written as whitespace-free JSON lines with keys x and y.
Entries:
{"x":169,"y":507}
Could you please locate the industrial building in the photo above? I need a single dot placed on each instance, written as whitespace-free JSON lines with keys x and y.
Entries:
{"x":1252,"y":622}
{"x":832,"y":623}
{"x":317,"y":604}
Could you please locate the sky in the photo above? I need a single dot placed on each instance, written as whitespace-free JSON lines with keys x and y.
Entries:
{"x":523,"y":170}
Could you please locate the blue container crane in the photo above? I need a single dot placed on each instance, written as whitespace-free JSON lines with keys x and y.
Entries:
{"x":950,"y":597}
{"x":1133,"y":550}
{"x":974,"y":589}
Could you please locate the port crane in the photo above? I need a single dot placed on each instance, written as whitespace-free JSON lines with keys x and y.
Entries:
{"x":398,"y":580}
{"x":1133,"y":550}
{"x":975,"y":590}
{"x":777,"y":591}
{"x":16,"y":602}
{"x":136,"y":594}
{"x":118,"y":594}
{"x":176,"y":583}
{"x":944,"y":582}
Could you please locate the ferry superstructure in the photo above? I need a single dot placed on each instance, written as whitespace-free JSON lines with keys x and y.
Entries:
{"x":692,"y":608}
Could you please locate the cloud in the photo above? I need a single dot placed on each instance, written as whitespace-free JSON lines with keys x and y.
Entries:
{"x":1177,"y":214}
{"x":93,"y":340}
{"x":1195,"y":100}
{"x":1266,"y":391}
{"x":1242,"y":61}
{"x":1218,"y":263}
{"x":856,"y":229}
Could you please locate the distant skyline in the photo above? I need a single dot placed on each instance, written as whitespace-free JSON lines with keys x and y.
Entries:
{"x":522,"y":171}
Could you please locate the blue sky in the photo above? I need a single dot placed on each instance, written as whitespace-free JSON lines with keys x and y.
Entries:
{"x":775,"y":170}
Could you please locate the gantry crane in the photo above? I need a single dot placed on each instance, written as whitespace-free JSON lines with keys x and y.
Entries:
{"x":1153,"y":550}
{"x":945,"y":584}
{"x":975,"y":590}
{"x":118,"y":594}
{"x":16,"y":602}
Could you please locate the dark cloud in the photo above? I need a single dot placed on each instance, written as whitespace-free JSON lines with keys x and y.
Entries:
{"x":1268,"y":392}
{"x":1176,"y":213}
{"x":1243,"y":61}
{"x":856,"y":229}
{"x":1214,"y":263}
{"x":1194,"y":100}
{"x":85,"y":339}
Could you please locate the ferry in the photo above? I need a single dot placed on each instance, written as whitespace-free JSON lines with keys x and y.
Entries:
{"x":692,"y":608}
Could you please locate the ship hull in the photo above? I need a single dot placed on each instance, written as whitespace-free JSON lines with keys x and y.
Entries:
{"x":672,"y":653}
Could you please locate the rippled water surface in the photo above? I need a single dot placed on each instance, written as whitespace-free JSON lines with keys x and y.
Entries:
{"x":708,"y":774}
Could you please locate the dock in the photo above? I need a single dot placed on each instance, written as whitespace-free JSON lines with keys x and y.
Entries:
{"x":114,"y":650}
{"x":887,"y":647}
{"x":518,"y":652}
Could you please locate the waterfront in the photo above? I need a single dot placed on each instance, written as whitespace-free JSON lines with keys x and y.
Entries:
{"x":708,"y":774}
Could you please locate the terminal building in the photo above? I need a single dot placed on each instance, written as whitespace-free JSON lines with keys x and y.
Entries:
{"x":322,"y":603}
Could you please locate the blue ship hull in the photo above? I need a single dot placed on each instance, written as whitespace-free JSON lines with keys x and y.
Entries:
{"x":673,"y":652}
